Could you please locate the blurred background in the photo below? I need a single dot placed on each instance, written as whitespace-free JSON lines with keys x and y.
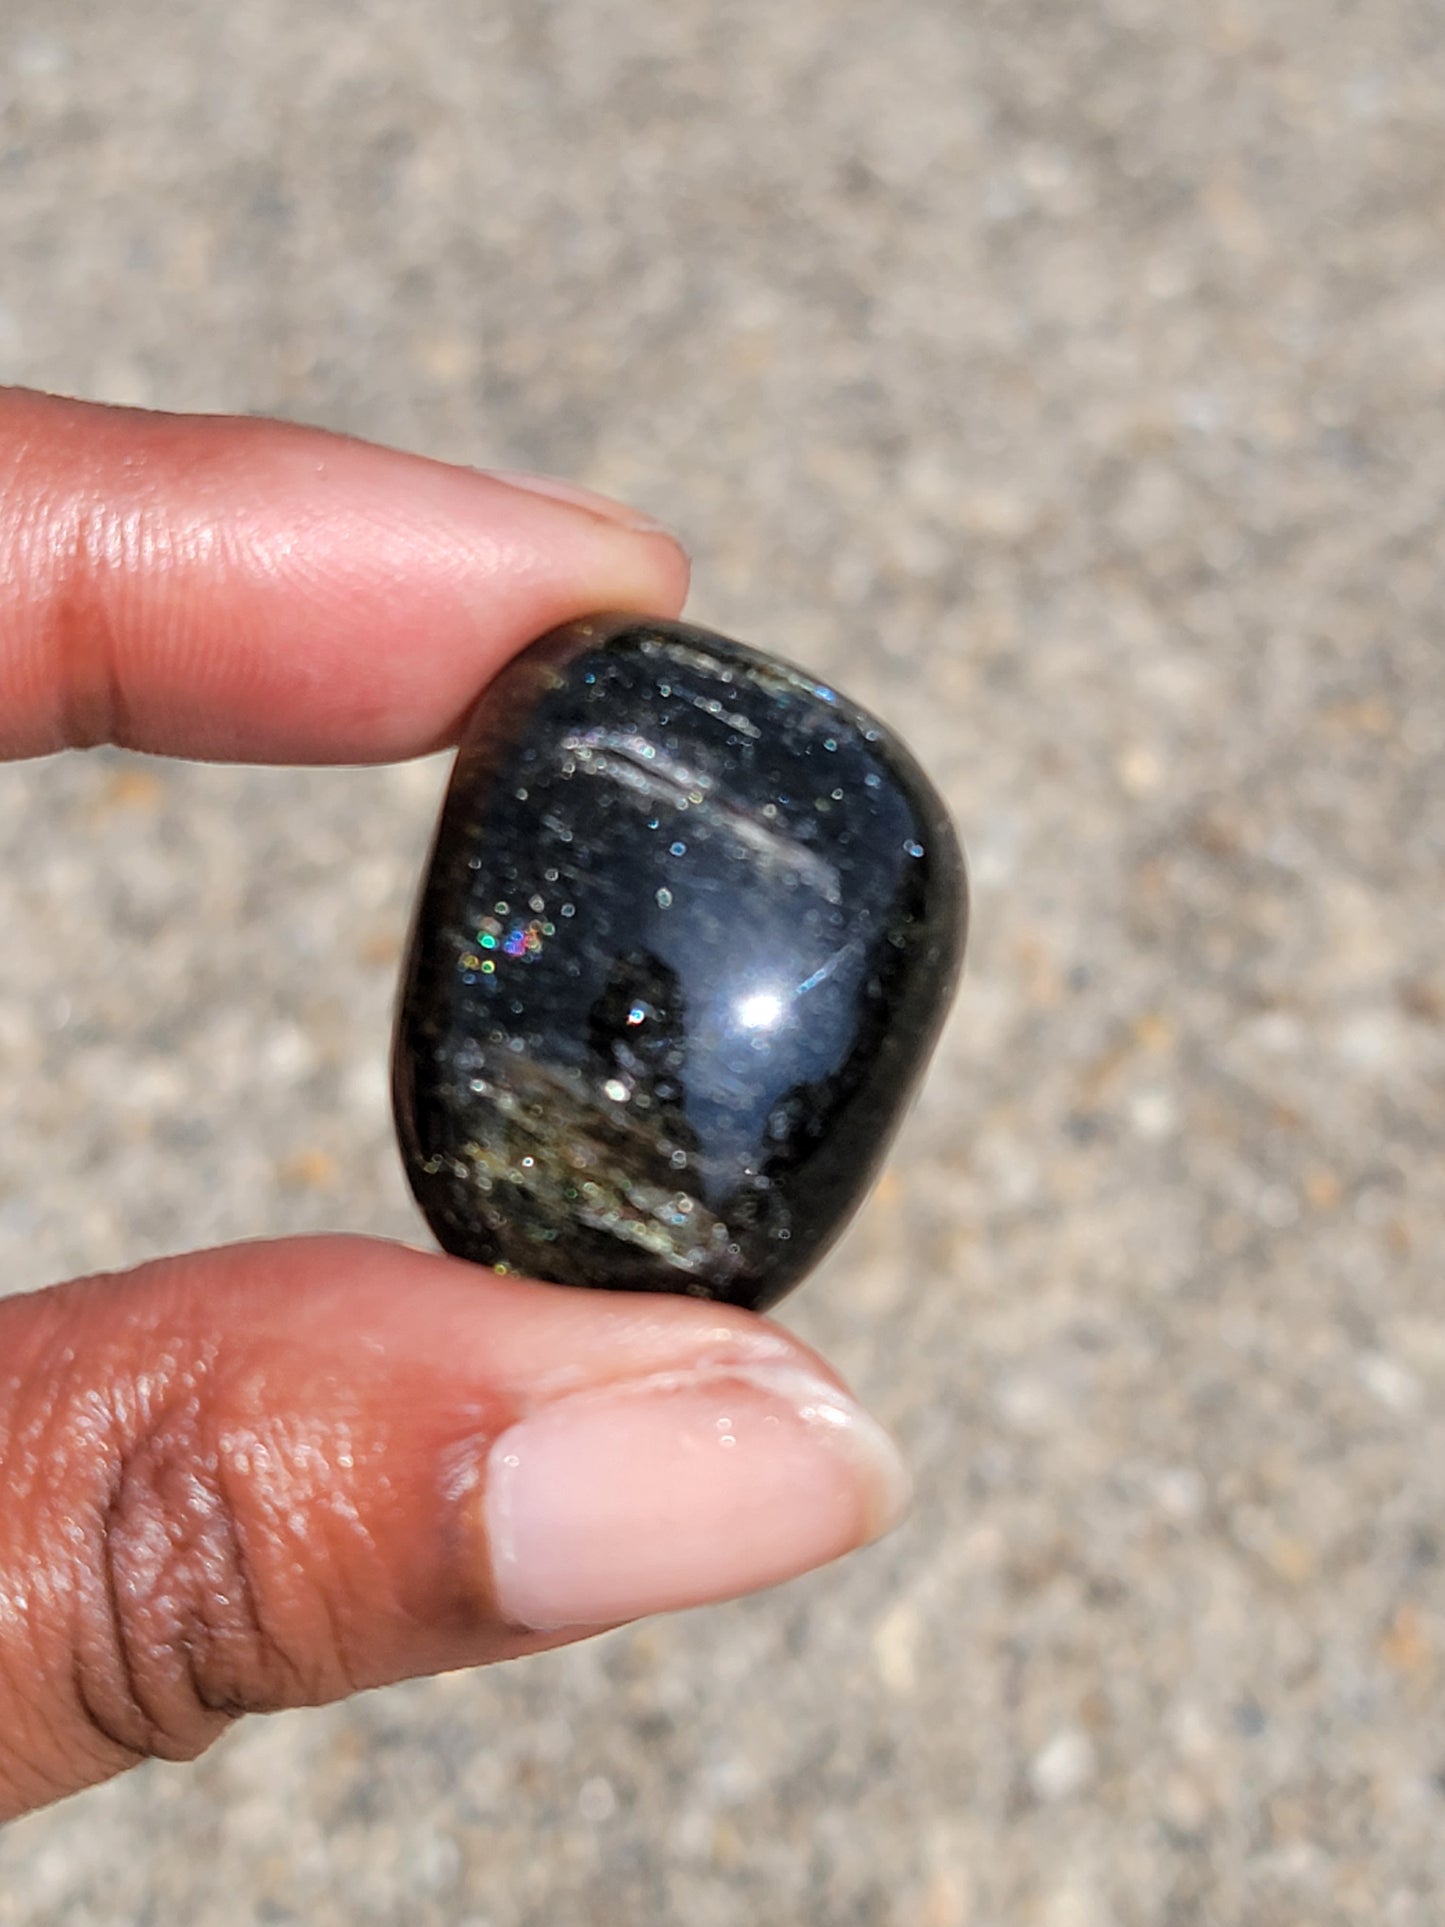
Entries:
{"x":1066,"y":380}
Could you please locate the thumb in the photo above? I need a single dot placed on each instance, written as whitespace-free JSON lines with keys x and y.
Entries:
{"x":272,"y":1475}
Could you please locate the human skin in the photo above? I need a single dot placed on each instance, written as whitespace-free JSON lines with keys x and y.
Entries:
{"x":278,"y":1473}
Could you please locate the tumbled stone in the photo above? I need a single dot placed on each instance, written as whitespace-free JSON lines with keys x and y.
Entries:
{"x":691,"y":925}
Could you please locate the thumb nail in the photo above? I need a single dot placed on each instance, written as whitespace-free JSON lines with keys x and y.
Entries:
{"x":678,"y":1490}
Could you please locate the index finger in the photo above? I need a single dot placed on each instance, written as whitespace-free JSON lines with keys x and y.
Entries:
{"x":251,"y":591}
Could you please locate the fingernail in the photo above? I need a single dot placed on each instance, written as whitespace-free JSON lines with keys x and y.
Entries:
{"x":679,"y":1490}
{"x":602,"y":506}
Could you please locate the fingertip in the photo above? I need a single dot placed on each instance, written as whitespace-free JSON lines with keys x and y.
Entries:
{"x":680,"y":1489}
{"x":258,"y":591}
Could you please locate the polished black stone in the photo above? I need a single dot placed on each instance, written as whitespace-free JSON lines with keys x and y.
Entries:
{"x":690,"y":929}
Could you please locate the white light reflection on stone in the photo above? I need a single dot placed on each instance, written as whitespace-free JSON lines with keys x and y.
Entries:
{"x":760,"y":1011}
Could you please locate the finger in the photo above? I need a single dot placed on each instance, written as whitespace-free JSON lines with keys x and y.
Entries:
{"x":251,"y":591}
{"x":271,"y":1475}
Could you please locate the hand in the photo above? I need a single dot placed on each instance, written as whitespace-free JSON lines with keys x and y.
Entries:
{"x":269,"y":1476}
